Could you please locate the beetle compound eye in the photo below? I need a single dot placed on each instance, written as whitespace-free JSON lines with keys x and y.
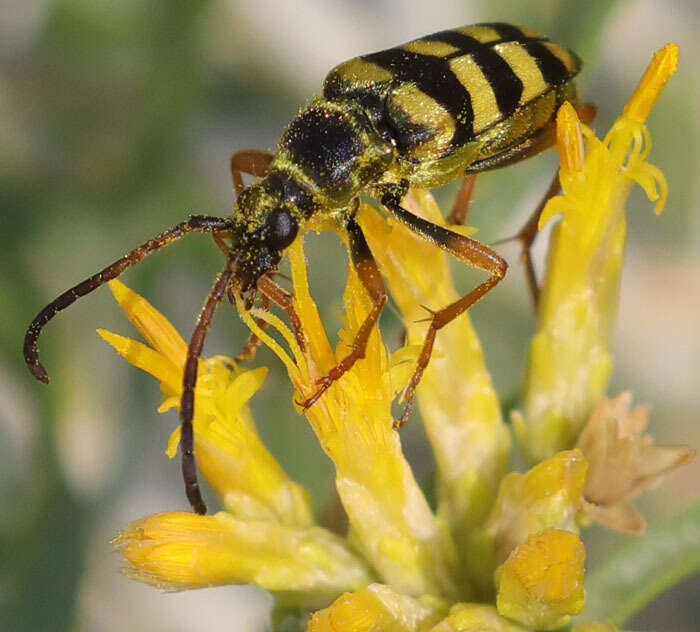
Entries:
{"x":282,"y":228}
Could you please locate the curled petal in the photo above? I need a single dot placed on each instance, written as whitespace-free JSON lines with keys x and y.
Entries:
{"x":152,"y":325}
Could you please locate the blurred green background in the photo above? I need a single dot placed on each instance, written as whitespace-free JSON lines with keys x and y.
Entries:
{"x":117,"y":119}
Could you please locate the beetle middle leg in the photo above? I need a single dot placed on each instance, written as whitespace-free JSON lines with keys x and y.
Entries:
{"x":283,"y":299}
{"x":368,"y":272}
{"x":526,"y":235}
{"x":463,"y":248}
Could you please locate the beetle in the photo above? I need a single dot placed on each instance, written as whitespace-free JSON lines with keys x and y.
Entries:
{"x":447,"y":105}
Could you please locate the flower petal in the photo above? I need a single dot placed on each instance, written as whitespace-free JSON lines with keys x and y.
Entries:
{"x":154,"y":327}
{"x":458,"y":404}
{"x":146,"y":359}
{"x":389,"y":515}
{"x":623,"y":462}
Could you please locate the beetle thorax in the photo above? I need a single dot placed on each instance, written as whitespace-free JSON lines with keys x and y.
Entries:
{"x":334,"y":150}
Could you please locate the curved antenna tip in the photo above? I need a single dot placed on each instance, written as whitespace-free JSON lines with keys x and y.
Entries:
{"x":37,"y":370}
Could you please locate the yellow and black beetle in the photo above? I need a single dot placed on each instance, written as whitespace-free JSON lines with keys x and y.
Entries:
{"x":447,"y":105}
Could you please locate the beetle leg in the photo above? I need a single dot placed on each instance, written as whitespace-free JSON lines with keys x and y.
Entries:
{"x":463,"y":248}
{"x":526,"y":236}
{"x":543,"y":140}
{"x":251,"y":346}
{"x":252,"y":161}
{"x":189,"y":380}
{"x":367,"y":270}
{"x":283,"y":299}
{"x":460,"y":207}
{"x":220,"y":243}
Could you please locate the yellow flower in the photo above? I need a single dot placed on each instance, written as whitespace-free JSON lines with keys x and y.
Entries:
{"x":232,"y":458}
{"x":389,"y":517}
{"x":266,"y":536}
{"x":178,"y":550}
{"x":623,"y":462}
{"x":570,"y":361}
{"x":541,"y":582}
{"x":508,"y":540}
{"x":548,"y":496}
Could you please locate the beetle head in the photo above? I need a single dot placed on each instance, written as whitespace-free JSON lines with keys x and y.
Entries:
{"x":266,"y":221}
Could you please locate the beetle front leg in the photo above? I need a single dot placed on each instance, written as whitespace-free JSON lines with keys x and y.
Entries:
{"x":251,"y":161}
{"x":368,"y":272}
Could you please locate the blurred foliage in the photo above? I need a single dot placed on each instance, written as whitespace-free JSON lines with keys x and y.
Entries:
{"x":116,"y":120}
{"x":645,"y":567}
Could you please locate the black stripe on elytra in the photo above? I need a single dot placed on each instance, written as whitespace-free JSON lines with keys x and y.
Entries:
{"x":506,"y":85}
{"x":433,"y":77}
{"x":553,"y":69}
{"x":508,"y":32}
{"x":464,"y":43}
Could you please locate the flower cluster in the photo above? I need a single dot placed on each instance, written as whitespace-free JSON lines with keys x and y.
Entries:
{"x":502,"y":552}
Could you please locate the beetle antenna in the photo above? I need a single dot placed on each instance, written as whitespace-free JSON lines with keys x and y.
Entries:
{"x":189,"y":380}
{"x":195,"y":223}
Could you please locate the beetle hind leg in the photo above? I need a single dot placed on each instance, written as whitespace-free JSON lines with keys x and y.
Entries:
{"x":460,"y":207}
{"x":526,"y":236}
{"x":543,"y":140}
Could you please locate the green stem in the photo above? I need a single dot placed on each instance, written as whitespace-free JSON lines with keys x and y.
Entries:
{"x":646,"y":567}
